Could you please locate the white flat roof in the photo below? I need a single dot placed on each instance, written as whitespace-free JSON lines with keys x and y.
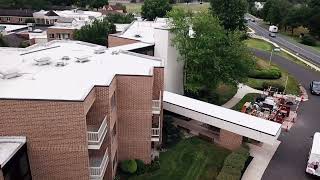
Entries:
{"x":9,"y":145}
{"x":11,"y":27}
{"x":73,"y":81}
{"x":145,"y":29}
{"x":231,"y":116}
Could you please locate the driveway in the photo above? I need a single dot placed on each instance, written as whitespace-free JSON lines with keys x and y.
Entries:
{"x":289,"y":161}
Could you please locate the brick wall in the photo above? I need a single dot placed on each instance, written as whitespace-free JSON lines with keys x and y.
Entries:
{"x":230,"y":140}
{"x":56,"y":31}
{"x":134,"y":98}
{"x":158,"y":85}
{"x":56,"y":136}
{"x":1,"y":175}
{"x":114,"y":41}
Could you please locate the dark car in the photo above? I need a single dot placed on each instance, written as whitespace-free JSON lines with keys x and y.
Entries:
{"x":272,"y":34}
{"x":315,"y":87}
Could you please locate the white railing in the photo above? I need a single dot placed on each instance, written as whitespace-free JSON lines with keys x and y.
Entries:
{"x":96,"y":136}
{"x":156,"y":106}
{"x":98,"y":172}
{"x":155,"y":132}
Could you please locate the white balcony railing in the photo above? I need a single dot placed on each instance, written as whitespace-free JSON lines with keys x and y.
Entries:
{"x":155,"y":132}
{"x":156,"y":106}
{"x":96,"y":137}
{"x":97,"y":172}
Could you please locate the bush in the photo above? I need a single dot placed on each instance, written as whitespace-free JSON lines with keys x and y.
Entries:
{"x":266,"y":85}
{"x":141,"y":167}
{"x":309,"y":40}
{"x":225,"y":176}
{"x":273,"y":73}
{"x":155,"y":165}
{"x":129,"y":166}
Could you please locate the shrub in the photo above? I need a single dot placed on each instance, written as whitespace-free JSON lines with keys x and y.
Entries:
{"x":225,"y":176}
{"x":273,"y":73}
{"x":129,"y":166}
{"x":141,"y":167}
{"x":155,"y":165}
{"x":266,"y":85}
{"x":308,"y":40}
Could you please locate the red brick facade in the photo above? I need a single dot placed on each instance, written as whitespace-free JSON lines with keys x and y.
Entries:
{"x":56,"y":33}
{"x":56,"y":131}
{"x":114,"y":41}
{"x":13,"y":19}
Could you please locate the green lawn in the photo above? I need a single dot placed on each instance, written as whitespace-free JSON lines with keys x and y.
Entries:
{"x":224,"y":93}
{"x":190,"y":159}
{"x":292,"y":85}
{"x":258,"y":44}
{"x":136,"y":7}
{"x":251,"y":97}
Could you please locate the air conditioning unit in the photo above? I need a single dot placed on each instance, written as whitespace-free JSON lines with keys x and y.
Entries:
{"x":100,"y":51}
{"x":83,"y":59}
{"x":9,"y":73}
{"x":65,"y":58}
{"x":61,"y":64}
{"x":43,"y":61}
{"x":116,"y":52}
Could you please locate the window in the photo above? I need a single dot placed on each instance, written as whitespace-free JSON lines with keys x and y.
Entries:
{"x":114,"y":130}
{"x":20,"y":19}
{"x":51,"y":36}
{"x":8,"y":18}
{"x":113,"y":101}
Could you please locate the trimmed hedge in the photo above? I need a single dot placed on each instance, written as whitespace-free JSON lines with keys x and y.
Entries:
{"x":266,"y":85}
{"x":234,"y":164}
{"x":141,"y":167}
{"x":129,"y":166}
{"x":272,"y":73}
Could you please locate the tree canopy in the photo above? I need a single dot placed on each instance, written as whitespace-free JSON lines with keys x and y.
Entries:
{"x":96,"y":33}
{"x":275,"y":11}
{"x":210,"y":55}
{"x":155,"y":8}
{"x":120,"y":18}
{"x":230,"y":13}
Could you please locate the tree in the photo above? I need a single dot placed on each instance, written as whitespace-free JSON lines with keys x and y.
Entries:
{"x":155,"y":8}
{"x":275,"y":11}
{"x":294,"y":18}
{"x":3,"y":43}
{"x":210,"y":55}
{"x":313,"y":22}
{"x":120,"y":18}
{"x":98,"y":3}
{"x":230,"y":13}
{"x":96,"y":33}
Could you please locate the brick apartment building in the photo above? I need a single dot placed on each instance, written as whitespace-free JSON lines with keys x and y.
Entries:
{"x":81,"y":107}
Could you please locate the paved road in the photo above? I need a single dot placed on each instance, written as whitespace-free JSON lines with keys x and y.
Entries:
{"x":295,"y":47}
{"x":289,"y":162}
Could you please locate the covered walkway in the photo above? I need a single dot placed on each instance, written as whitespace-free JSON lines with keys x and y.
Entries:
{"x":228,"y":120}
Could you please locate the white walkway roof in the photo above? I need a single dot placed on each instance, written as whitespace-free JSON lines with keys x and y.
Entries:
{"x":230,"y":120}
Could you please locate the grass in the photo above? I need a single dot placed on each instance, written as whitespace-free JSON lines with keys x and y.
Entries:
{"x":251,"y":97}
{"x":224,"y":93}
{"x":190,"y":159}
{"x":258,"y":44}
{"x":292,"y":84}
{"x":136,"y":7}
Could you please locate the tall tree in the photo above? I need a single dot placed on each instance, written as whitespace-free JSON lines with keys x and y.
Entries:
{"x":275,"y":11}
{"x":296,"y":17}
{"x":98,"y":3}
{"x":210,"y":55}
{"x":155,"y":8}
{"x":96,"y":33}
{"x":313,"y":21}
{"x":230,"y":13}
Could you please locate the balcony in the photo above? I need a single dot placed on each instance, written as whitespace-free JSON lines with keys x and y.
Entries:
{"x":96,"y":134}
{"x":98,"y":166}
{"x":155,"y":130}
{"x":156,"y":106}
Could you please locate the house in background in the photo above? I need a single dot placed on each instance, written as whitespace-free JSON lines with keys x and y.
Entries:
{"x":15,"y":16}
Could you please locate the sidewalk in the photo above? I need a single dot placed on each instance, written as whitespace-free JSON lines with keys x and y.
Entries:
{"x":242,"y":91}
{"x":261,"y":158}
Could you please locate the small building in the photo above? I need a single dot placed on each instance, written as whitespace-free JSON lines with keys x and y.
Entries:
{"x":109,"y":9}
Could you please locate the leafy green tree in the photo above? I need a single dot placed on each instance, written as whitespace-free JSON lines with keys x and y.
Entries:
{"x":313,"y":22}
{"x":155,"y":8}
{"x":230,"y":13}
{"x":96,"y":33}
{"x":120,"y":18}
{"x":210,"y":55}
{"x":275,"y":11}
{"x":294,"y":18}
{"x":98,"y":3}
{"x":3,"y":43}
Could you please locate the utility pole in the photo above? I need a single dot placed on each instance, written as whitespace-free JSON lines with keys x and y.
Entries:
{"x":271,"y":56}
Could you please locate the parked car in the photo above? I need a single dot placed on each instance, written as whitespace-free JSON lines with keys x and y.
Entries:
{"x":272,"y":35}
{"x":315,"y":87}
{"x":313,"y":165}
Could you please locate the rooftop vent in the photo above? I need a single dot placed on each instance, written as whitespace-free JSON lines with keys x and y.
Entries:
{"x":116,"y":52}
{"x":100,"y":50}
{"x":61,"y":64}
{"x":137,"y":36}
{"x":9,"y":73}
{"x":65,"y":58}
{"x":83,"y":59}
{"x":43,"y":61}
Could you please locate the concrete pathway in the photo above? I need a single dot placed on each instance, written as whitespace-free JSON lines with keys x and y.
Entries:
{"x":242,"y":91}
{"x":262,"y":155}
